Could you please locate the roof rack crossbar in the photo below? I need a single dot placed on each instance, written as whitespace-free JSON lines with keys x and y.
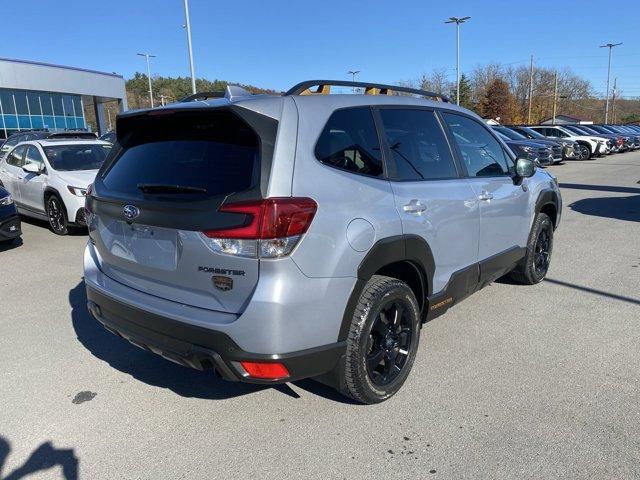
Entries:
{"x":324,"y":87}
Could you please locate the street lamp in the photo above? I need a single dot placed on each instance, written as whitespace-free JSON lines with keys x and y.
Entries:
{"x":457,"y":21}
{"x":353,"y":74}
{"x":147,"y":56}
{"x":187,"y":25}
{"x":606,"y":105}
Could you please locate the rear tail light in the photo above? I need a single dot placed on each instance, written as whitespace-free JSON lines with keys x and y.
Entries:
{"x":266,"y":371}
{"x":272,"y":228}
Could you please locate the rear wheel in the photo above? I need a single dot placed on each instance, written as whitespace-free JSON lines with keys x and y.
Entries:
{"x":382,"y":343}
{"x":57,"y":215}
{"x":538,"y":258}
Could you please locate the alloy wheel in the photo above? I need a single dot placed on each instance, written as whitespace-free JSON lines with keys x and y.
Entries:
{"x":542,"y":252}
{"x":389,"y":343}
{"x":56,"y":215}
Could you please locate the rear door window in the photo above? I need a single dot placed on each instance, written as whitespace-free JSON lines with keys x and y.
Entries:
{"x":417,"y":144}
{"x":214,"y":154}
{"x":349,"y":142}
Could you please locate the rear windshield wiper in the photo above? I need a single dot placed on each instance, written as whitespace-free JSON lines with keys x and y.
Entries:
{"x":167,"y":188}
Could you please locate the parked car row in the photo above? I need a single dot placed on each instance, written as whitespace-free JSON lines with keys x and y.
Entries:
{"x":548,"y":144}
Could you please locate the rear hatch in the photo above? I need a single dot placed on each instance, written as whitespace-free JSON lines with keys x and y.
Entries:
{"x":162,"y":186}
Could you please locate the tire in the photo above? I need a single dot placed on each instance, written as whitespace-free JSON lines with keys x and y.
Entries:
{"x":57,"y":215}
{"x":585,"y":152}
{"x":539,"y":248}
{"x":376,"y":332}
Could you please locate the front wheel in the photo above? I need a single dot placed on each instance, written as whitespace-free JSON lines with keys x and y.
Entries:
{"x":585,"y":152}
{"x":538,"y":258}
{"x":382,"y":342}
{"x":57,"y":216}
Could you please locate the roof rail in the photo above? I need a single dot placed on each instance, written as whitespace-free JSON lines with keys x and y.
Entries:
{"x":324,"y":88}
{"x":230,"y":92}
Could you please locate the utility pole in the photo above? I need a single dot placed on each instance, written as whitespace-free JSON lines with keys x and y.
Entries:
{"x":555,"y":98}
{"x":147,"y":56}
{"x":613,"y":100}
{"x":457,"y":21}
{"x":187,"y":25}
{"x":606,"y":104}
{"x":530,"y":91}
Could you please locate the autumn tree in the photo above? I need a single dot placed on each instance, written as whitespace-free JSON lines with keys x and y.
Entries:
{"x":498,"y":102}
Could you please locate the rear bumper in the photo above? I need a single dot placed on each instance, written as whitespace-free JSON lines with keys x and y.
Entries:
{"x":203,"y":348}
{"x":10,"y":227}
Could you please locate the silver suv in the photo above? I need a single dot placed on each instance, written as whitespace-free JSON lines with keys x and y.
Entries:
{"x":279,"y":237}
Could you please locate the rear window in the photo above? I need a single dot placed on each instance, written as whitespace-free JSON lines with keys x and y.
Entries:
{"x":216,"y":153}
{"x":76,"y":157}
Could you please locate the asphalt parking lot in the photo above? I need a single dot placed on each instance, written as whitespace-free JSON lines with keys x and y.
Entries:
{"x":515,"y":382}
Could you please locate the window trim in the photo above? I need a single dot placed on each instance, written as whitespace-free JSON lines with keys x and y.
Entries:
{"x":458,"y":153}
{"x":385,"y":171}
{"x":389,"y":154}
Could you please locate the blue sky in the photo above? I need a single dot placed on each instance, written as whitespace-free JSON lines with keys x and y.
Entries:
{"x":275,"y":44}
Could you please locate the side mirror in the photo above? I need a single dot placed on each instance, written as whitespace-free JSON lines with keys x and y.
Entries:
{"x":31,"y":168}
{"x":525,"y":167}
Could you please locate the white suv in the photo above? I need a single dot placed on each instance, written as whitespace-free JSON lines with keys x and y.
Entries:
{"x":590,"y":145}
{"x":48,"y":179}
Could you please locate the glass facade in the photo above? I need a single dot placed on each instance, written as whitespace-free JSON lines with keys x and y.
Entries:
{"x":28,"y":110}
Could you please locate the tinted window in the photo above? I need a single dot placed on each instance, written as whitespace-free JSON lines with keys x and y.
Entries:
{"x":15,"y":157}
{"x":481,"y":153}
{"x":349,"y":142}
{"x":33,"y":156}
{"x":217,"y":152}
{"x":76,"y":157}
{"x":418,"y":145}
{"x":13,"y":141}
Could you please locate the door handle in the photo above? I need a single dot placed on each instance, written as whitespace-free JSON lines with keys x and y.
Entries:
{"x":485,"y":196}
{"x":414,"y":206}
{"x":20,"y":178}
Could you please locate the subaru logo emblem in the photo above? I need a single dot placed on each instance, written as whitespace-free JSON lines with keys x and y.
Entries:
{"x":130,"y":212}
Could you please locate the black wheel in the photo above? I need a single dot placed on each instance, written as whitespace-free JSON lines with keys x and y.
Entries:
{"x":539,"y":247}
{"x":585,"y":152}
{"x":57,"y":215}
{"x":383,"y":340}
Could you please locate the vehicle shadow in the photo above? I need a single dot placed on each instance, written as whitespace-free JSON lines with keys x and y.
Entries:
{"x":42,"y":458}
{"x":154,"y":370}
{"x":17,"y":242}
{"x":619,"y":208}
{"x":73,"y":231}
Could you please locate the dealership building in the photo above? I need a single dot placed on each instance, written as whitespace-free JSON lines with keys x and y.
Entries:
{"x":37,"y":95}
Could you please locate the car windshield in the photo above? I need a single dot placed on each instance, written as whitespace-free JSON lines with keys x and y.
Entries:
{"x":532,"y":132}
{"x":76,"y":157}
{"x":507,"y":132}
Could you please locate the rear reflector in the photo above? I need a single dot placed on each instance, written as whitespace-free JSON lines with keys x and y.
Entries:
{"x":266,"y":371}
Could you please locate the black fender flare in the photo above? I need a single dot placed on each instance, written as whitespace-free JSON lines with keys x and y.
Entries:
{"x":399,"y":248}
{"x":548,"y":197}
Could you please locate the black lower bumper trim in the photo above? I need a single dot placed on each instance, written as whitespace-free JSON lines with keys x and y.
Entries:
{"x":10,"y":228}
{"x":202,"y":348}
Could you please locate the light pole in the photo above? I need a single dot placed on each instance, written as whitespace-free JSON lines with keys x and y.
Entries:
{"x":147,"y":56}
{"x":353,"y":74}
{"x":457,"y":21}
{"x":187,"y":25}
{"x":606,"y":105}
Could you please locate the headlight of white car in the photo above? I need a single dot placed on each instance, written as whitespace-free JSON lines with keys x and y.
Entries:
{"x":77,"y":191}
{"x":4,"y":201}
